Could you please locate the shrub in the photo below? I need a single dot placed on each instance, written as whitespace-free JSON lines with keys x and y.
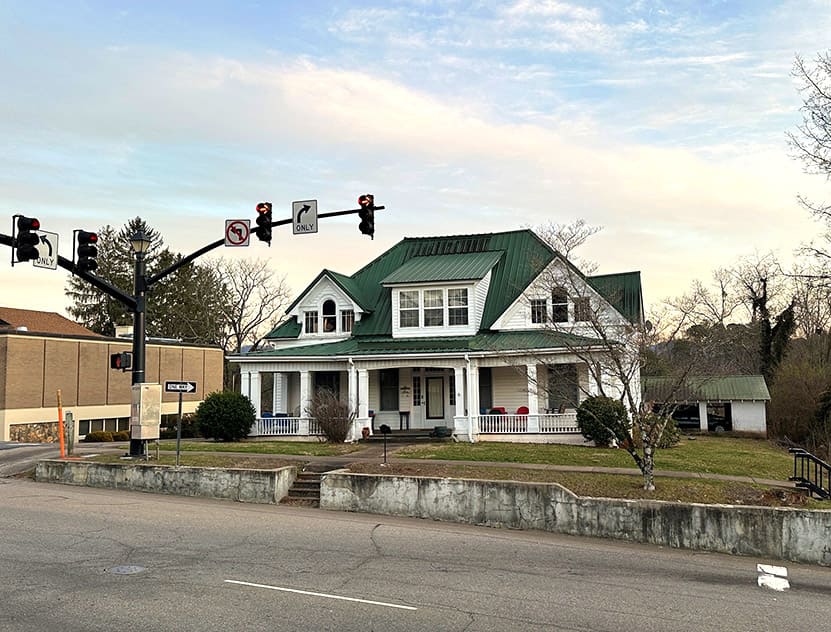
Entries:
{"x":98,"y":436}
{"x":225,"y":416}
{"x":121,"y":435}
{"x":603,"y":420}
{"x":332,"y":415}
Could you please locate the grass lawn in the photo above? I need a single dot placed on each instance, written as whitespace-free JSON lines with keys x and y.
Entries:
{"x":706,"y":454}
{"x":262,"y":447}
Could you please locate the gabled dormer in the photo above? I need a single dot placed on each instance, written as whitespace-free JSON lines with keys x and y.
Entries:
{"x":440,"y":295}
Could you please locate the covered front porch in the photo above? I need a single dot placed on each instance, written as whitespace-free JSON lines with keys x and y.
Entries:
{"x":474,"y":399}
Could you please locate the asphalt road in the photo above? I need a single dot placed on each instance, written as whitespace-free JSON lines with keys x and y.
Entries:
{"x":75,"y":558}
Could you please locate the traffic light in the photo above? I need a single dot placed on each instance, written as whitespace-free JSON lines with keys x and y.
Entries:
{"x":87,"y":251}
{"x":367,"y":215}
{"x":27,"y":240}
{"x":263,"y":229}
{"x":123,"y":360}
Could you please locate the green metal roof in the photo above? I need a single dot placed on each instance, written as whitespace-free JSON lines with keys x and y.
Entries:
{"x":288,"y":329}
{"x":463,"y":267}
{"x":705,"y":388}
{"x":515,"y":259}
{"x":623,"y":291}
{"x":482,"y":342}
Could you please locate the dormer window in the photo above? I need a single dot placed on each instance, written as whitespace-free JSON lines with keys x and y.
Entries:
{"x":310,"y":322}
{"x":408,"y":308}
{"x":347,"y":320}
{"x":329,"y":316}
{"x":433,"y":308}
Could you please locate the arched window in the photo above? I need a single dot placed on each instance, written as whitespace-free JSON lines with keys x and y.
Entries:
{"x":329,"y":319}
{"x":559,"y":305}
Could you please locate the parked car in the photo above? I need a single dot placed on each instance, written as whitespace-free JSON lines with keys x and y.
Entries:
{"x":718,"y":417}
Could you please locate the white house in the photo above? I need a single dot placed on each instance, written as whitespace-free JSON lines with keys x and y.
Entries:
{"x":485,"y":334}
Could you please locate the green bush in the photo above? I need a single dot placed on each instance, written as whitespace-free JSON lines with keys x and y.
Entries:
{"x":98,"y":436}
{"x":332,"y":415}
{"x":225,"y":416}
{"x":603,"y":420}
{"x":121,"y":435}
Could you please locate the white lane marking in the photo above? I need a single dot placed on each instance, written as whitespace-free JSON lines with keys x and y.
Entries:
{"x":317,"y":594}
{"x":773,"y":577}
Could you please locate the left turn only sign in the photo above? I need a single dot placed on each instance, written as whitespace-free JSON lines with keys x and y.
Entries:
{"x":47,"y":250}
{"x":237,"y":232}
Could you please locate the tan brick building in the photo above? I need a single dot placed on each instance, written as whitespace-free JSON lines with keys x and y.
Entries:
{"x":42,"y":353}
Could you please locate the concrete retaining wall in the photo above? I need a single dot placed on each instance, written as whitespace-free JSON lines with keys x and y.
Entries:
{"x":778,"y":533}
{"x":248,"y":486}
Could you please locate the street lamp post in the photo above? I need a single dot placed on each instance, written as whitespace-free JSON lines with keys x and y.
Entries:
{"x":140,"y":243}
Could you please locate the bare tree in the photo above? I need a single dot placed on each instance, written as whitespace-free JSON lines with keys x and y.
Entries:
{"x":612,"y":347}
{"x":254,"y":300}
{"x":812,"y":140}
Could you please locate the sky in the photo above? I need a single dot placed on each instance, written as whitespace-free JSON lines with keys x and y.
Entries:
{"x":662,"y":121}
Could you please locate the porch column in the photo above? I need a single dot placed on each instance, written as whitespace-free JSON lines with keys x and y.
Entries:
{"x":245,"y":383}
{"x":702,"y":416}
{"x":305,"y":391}
{"x":353,"y":401}
{"x":473,"y":402}
{"x":363,"y":398}
{"x":533,"y":398}
{"x":256,"y":393}
{"x":459,"y":384}
{"x":280,"y":400}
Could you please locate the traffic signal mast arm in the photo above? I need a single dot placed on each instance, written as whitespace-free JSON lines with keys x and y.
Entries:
{"x":129,"y":301}
{"x":221,"y":242}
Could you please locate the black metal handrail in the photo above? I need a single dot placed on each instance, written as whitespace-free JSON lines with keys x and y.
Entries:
{"x":811,"y":473}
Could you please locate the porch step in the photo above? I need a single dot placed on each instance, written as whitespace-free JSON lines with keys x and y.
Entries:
{"x":305,"y":490}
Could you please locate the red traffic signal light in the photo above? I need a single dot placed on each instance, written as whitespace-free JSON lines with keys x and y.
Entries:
{"x":27,"y":241}
{"x":87,"y":251}
{"x":263,"y":230}
{"x":367,"y":214}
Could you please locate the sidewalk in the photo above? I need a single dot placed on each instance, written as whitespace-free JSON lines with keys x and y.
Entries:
{"x":26,"y":456}
{"x":374,"y":453}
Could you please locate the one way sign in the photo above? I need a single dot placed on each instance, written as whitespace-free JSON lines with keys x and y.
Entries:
{"x":180,"y":387}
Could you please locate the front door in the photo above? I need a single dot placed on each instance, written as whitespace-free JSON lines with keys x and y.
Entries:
{"x":418,"y":403}
{"x":435,"y":397}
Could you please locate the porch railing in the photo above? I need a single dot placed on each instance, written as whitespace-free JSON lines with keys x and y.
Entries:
{"x":549,"y":423}
{"x":285,"y":427}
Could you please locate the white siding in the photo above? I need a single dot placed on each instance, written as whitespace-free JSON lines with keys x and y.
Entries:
{"x":480,"y":295}
{"x":749,"y":417}
{"x":325,"y":289}
{"x":510,"y":387}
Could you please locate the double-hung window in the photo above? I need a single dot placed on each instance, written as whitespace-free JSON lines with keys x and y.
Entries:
{"x":559,"y":305}
{"x":433,"y":308}
{"x":408,"y":305}
{"x":310,"y":322}
{"x":457,"y":306}
{"x":582,"y":309}
{"x":347,"y":320}
{"x":539,"y":310}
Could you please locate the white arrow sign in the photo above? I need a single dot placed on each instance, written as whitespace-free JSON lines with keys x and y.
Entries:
{"x":179,"y":387}
{"x":47,"y":250}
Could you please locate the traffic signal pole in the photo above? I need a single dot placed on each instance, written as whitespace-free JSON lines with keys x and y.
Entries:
{"x":141,"y":284}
